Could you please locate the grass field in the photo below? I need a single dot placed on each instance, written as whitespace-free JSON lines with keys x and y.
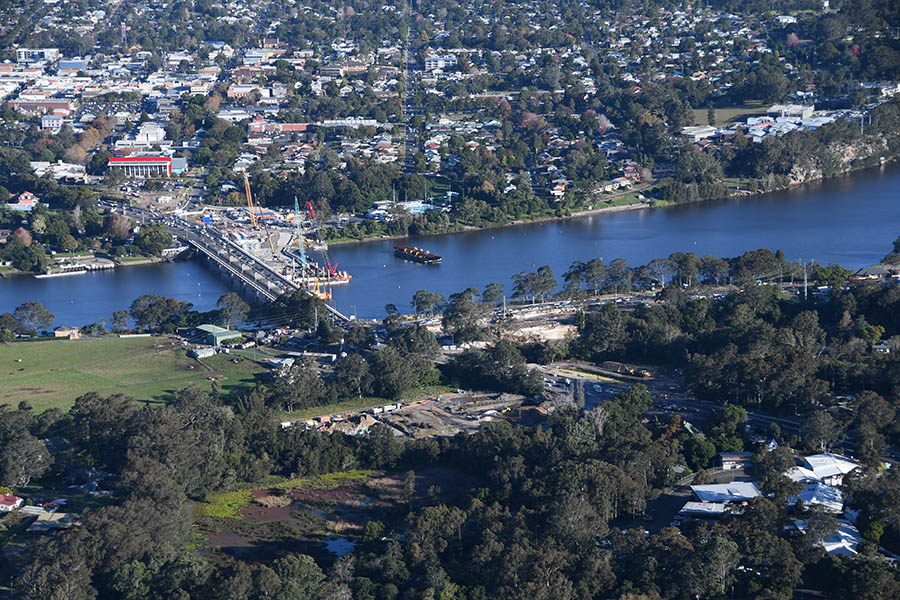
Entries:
{"x":53,"y":374}
{"x":729,"y":114}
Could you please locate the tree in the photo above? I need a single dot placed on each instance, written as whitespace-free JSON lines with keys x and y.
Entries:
{"x":120,"y":320}
{"x":352,"y":375}
{"x":463,"y":315}
{"x":152,"y":312}
{"x":540,"y":283}
{"x":33,"y":316}
{"x":298,"y":387}
{"x":232,"y":308}
{"x":152,"y":239}
{"x":23,"y":458}
{"x":660,"y":269}
{"x":117,"y":227}
{"x":394,"y":374}
{"x":720,"y":557}
{"x":493,"y":293}
{"x":820,"y":431}
{"x":713,"y":268}
{"x":594,"y":273}
{"x":426,"y":302}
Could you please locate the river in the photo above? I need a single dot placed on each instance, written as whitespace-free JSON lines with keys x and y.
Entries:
{"x":851,"y":221}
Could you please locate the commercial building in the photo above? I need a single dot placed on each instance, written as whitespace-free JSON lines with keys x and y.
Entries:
{"x":142,"y":166}
{"x":829,"y":468}
{"x":437,"y":62}
{"x":736,"y":491}
{"x":39,"y":107}
{"x":34,"y":54}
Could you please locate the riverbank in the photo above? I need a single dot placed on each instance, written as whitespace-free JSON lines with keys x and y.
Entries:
{"x":9,"y":272}
{"x":639,"y":204}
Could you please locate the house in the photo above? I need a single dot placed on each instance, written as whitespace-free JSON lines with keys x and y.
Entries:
{"x":735,"y":460}
{"x":9,"y":503}
{"x":736,"y":491}
{"x":52,"y":123}
{"x":64,"y":331}
{"x":24,"y":202}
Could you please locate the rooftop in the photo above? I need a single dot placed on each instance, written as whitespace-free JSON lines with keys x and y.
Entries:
{"x":736,"y":491}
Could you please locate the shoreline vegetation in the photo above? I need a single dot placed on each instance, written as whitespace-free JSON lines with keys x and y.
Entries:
{"x":739,"y":191}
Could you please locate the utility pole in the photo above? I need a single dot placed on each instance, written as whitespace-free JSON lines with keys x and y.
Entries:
{"x":805,"y":284}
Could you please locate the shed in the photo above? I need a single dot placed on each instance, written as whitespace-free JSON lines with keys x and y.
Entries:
{"x":63,"y":331}
{"x":736,"y":460}
{"x":213,"y":335}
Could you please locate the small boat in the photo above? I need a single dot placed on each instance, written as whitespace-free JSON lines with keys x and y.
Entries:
{"x":418,"y":255}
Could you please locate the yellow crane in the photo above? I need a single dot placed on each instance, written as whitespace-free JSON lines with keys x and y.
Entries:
{"x":253,"y":221}
{"x":249,"y":201}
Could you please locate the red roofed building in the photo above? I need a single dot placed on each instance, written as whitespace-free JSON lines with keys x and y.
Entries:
{"x":142,"y":166}
{"x":9,"y":503}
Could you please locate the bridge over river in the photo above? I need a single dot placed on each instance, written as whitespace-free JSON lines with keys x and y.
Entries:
{"x":257,"y":277}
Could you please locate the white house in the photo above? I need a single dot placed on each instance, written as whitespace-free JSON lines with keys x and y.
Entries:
{"x":9,"y":503}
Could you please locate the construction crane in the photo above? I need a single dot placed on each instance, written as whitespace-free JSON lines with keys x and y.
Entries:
{"x":330,"y":269}
{"x":253,"y":220}
{"x":303,"y":262}
{"x":249,"y":201}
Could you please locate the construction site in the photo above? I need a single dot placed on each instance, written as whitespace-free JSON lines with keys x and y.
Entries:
{"x":287,"y":241}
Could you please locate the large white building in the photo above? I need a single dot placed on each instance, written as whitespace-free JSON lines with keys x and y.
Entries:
{"x":437,"y":62}
{"x":142,"y":166}
{"x":35,"y":54}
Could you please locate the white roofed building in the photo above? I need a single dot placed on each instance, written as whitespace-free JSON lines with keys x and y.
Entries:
{"x":830,"y":468}
{"x":736,"y":491}
{"x":826,"y":496}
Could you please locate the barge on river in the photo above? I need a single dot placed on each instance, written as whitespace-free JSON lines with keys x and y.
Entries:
{"x":417,"y":255}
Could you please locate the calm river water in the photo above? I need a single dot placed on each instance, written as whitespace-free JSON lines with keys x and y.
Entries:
{"x":852,"y":221}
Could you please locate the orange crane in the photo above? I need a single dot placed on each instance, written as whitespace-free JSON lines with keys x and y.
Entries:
{"x":253,"y":221}
{"x":249,"y":201}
